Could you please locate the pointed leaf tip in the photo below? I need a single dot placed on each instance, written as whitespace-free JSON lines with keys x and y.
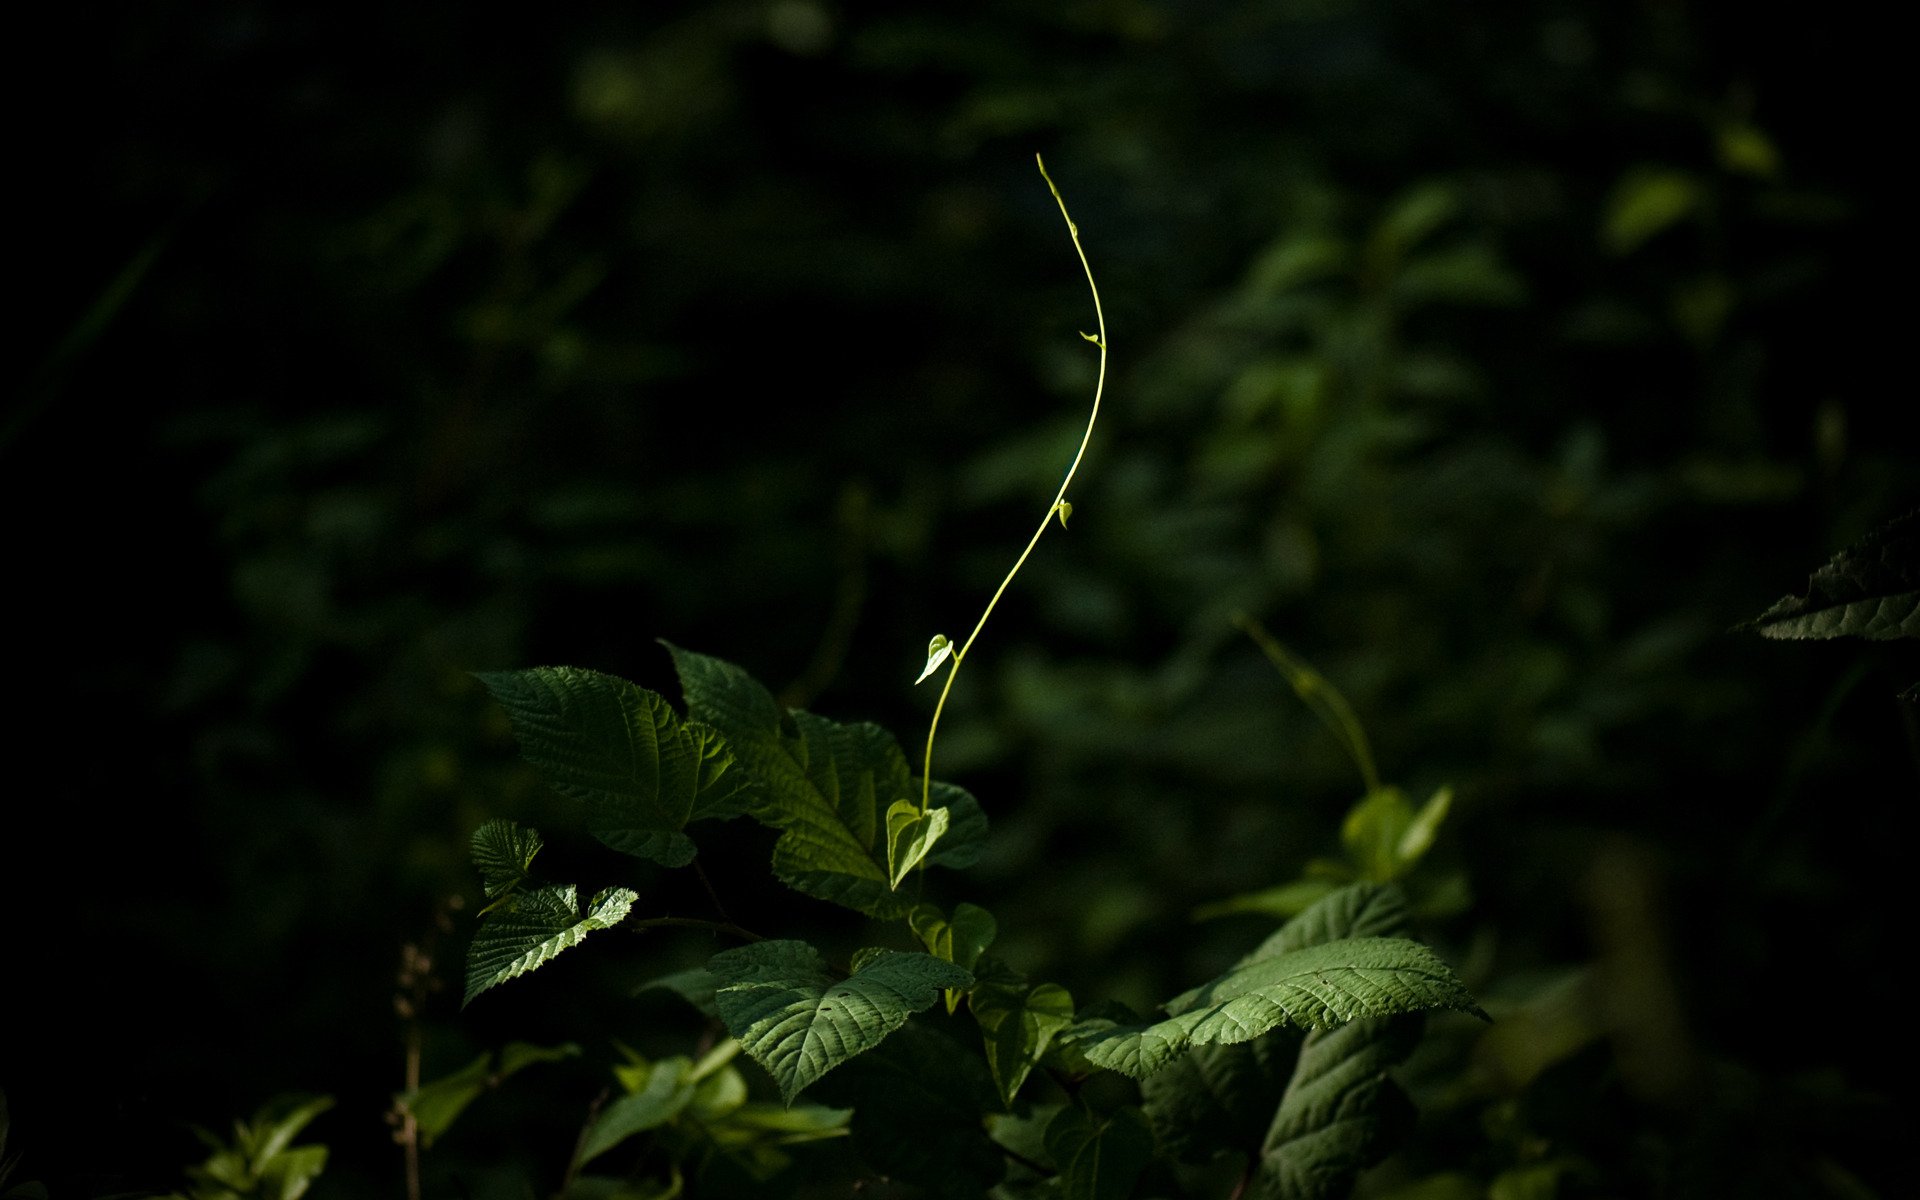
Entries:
{"x":1063,"y":510}
{"x":938,"y":651}
{"x":910,"y":835}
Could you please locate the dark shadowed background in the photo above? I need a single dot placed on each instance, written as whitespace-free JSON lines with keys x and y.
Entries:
{"x":1499,"y":358}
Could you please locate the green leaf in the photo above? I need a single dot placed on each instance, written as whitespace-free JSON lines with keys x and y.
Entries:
{"x":667,"y":1088}
{"x":503,"y":851}
{"x":642,"y":772}
{"x":938,"y":651}
{"x":911,"y":834}
{"x":533,"y":927}
{"x":1871,"y":590}
{"x":917,"y":1104}
{"x":1385,"y":836}
{"x":1645,"y":202}
{"x":1063,"y":510}
{"x":826,"y":787}
{"x":437,"y":1104}
{"x":1017,"y":1024}
{"x":799,"y":1022}
{"x":960,"y":941}
{"x":1357,"y":910}
{"x":695,"y":985}
{"x":1341,"y":1113}
{"x":1314,"y":988}
{"x":1099,"y":1158}
{"x":1220,"y":1097}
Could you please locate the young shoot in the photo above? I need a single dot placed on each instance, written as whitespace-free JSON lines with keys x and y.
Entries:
{"x":941,"y":649}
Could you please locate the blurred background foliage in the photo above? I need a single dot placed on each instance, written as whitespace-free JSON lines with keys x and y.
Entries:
{"x":1498,"y":359}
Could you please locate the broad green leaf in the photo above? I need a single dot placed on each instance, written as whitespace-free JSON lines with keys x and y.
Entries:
{"x":1220,"y":1097}
{"x":799,"y":1022}
{"x":911,"y":834}
{"x":826,"y":787}
{"x":966,"y":836}
{"x":916,"y":1105}
{"x":1357,"y":910}
{"x":1871,"y":590}
{"x":1341,"y":1112}
{"x":1314,"y":988}
{"x":642,"y":772}
{"x":503,"y":851}
{"x":1099,"y":1158}
{"x":437,"y":1104}
{"x":533,"y":927}
{"x":1017,"y":1024}
{"x":666,"y":1088}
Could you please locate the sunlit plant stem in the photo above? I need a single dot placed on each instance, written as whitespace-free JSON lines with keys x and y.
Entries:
{"x":1059,"y":508}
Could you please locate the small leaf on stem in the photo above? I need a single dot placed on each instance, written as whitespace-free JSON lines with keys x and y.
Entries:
{"x":937,"y":651}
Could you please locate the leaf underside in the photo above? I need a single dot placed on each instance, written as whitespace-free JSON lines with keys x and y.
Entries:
{"x":503,"y":851}
{"x":642,"y":772}
{"x":827,"y":787}
{"x":799,"y":1022}
{"x":532,"y":928}
{"x":1871,"y":590}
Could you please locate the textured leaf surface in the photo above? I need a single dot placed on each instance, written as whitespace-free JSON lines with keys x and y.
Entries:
{"x":503,"y":851}
{"x":1357,"y":910}
{"x":642,"y":772}
{"x":1099,"y":1158}
{"x":799,"y":1022}
{"x":532,"y":928}
{"x":1017,"y":1024}
{"x":1314,"y":988}
{"x":827,"y":787}
{"x":1341,"y":1112}
{"x":1871,"y":590}
{"x":1220,"y":1097}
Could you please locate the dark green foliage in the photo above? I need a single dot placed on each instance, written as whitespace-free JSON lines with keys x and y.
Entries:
{"x":1871,"y":590}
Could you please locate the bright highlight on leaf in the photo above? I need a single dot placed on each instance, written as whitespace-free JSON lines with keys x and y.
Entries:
{"x":938,"y":651}
{"x":828,"y":788}
{"x":799,"y":1022}
{"x":1063,"y":510}
{"x":1314,"y":988}
{"x":1870,"y":590}
{"x":911,"y":834}
{"x":642,"y":772}
{"x":532,"y":928}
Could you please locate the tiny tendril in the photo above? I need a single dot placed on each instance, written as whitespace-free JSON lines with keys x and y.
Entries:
{"x":1056,"y":510}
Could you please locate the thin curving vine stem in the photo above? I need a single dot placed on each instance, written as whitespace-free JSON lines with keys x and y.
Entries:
{"x":1057,"y":510}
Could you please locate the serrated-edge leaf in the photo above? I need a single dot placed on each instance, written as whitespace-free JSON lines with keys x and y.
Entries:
{"x":642,"y":771}
{"x":533,"y":928}
{"x":503,"y":853}
{"x":1314,"y":988}
{"x":797,"y":1021}
{"x":826,"y":786}
{"x":1340,"y":1110}
{"x":1871,"y":589}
